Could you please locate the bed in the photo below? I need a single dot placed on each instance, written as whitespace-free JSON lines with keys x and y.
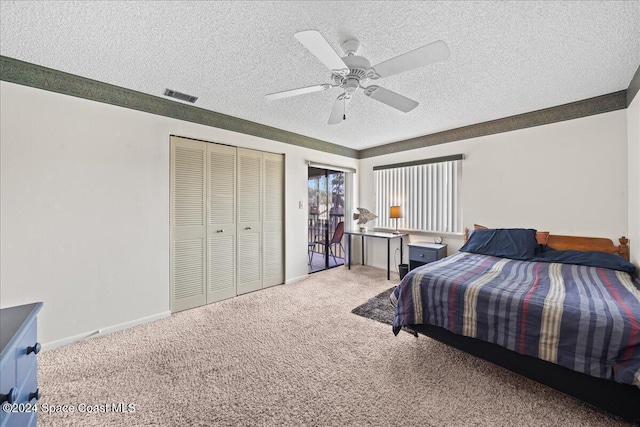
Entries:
{"x":562,"y":310}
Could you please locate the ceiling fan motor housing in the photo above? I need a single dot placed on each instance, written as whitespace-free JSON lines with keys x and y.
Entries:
{"x":358,"y":67}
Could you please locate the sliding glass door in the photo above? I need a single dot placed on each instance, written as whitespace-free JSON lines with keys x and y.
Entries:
{"x":326,"y":218}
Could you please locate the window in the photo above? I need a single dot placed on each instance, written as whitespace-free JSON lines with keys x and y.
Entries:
{"x":427,"y":190}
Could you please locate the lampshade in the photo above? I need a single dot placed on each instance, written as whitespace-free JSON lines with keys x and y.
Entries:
{"x":395,"y":212}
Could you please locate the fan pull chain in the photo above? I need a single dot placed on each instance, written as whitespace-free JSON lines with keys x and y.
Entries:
{"x":344,"y":108}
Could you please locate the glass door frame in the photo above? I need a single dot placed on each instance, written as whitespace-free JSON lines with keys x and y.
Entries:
{"x":326,"y":208}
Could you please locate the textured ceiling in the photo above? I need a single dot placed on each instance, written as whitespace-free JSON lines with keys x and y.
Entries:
{"x":506,"y":58}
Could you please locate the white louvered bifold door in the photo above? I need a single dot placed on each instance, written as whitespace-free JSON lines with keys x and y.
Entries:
{"x":272,"y":220}
{"x":188,"y":225}
{"x":221,"y":226}
{"x":249,"y":173}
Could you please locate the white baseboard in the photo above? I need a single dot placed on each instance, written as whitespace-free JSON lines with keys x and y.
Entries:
{"x":103,"y":331}
{"x":296,"y":279}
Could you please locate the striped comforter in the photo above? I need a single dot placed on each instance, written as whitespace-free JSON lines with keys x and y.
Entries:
{"x":583,"y":318}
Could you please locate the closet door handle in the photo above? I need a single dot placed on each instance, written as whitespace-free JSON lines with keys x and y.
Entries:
{"x":219,"y":231}
{"x":247,"y":228}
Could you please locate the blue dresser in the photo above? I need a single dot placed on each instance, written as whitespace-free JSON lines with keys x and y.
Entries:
{"x":18,"y":365}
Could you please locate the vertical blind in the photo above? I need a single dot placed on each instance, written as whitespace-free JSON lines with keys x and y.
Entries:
{"x":427,"y":191}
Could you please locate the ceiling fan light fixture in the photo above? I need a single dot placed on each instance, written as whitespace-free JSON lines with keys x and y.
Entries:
{"x":351,"y":85}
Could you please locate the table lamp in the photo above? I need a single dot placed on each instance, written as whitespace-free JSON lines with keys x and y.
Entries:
{"x":395,"y":212}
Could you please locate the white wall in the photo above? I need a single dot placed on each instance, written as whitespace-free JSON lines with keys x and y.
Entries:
{"x":567,"y":178}
{"x":633,"y":134}
{"x":85,"y":209}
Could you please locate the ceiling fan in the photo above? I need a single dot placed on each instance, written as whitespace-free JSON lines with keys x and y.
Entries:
{"x":351,"y":71}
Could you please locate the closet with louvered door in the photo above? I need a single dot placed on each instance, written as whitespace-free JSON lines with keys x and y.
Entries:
{"x":188,"y":225}
{"x":273,"y":220}
{"x":221,"y":227}
{"x":227,"y":215}
{"x":249,"y":220}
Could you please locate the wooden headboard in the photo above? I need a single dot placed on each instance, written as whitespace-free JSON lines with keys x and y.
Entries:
{"x":579,"y":243}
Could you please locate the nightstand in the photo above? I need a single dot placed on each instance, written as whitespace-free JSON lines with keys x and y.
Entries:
{"x":421,"y":253}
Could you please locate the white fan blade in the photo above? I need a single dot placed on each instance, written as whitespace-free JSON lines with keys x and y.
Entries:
{"x":339,"y":110}
{"x":318,"y":45}
{"x":434,"y":52}
{"x":391,"y":98}
{"x":295,"y":92}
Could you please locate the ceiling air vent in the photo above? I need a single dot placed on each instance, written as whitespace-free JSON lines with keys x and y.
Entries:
{"x":181,"y":96}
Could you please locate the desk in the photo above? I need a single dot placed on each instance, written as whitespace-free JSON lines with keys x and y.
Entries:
{"x":379,"y":235}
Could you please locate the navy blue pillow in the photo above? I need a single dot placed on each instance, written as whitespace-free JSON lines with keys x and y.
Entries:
{"x":589,"y":258}
{"x":514,"y":243}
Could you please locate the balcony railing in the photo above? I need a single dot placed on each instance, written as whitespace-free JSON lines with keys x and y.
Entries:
{"x":318,"y":226}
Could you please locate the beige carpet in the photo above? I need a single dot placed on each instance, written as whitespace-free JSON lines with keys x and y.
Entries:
{"x":293,"y":355}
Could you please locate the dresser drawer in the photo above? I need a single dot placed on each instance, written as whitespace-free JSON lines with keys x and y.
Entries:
{"x":8,"y":377}
{"x":7,"y":383}
{"x":24,"y":415}
{"x":23,"y":419}
{"x":24,"y":361}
